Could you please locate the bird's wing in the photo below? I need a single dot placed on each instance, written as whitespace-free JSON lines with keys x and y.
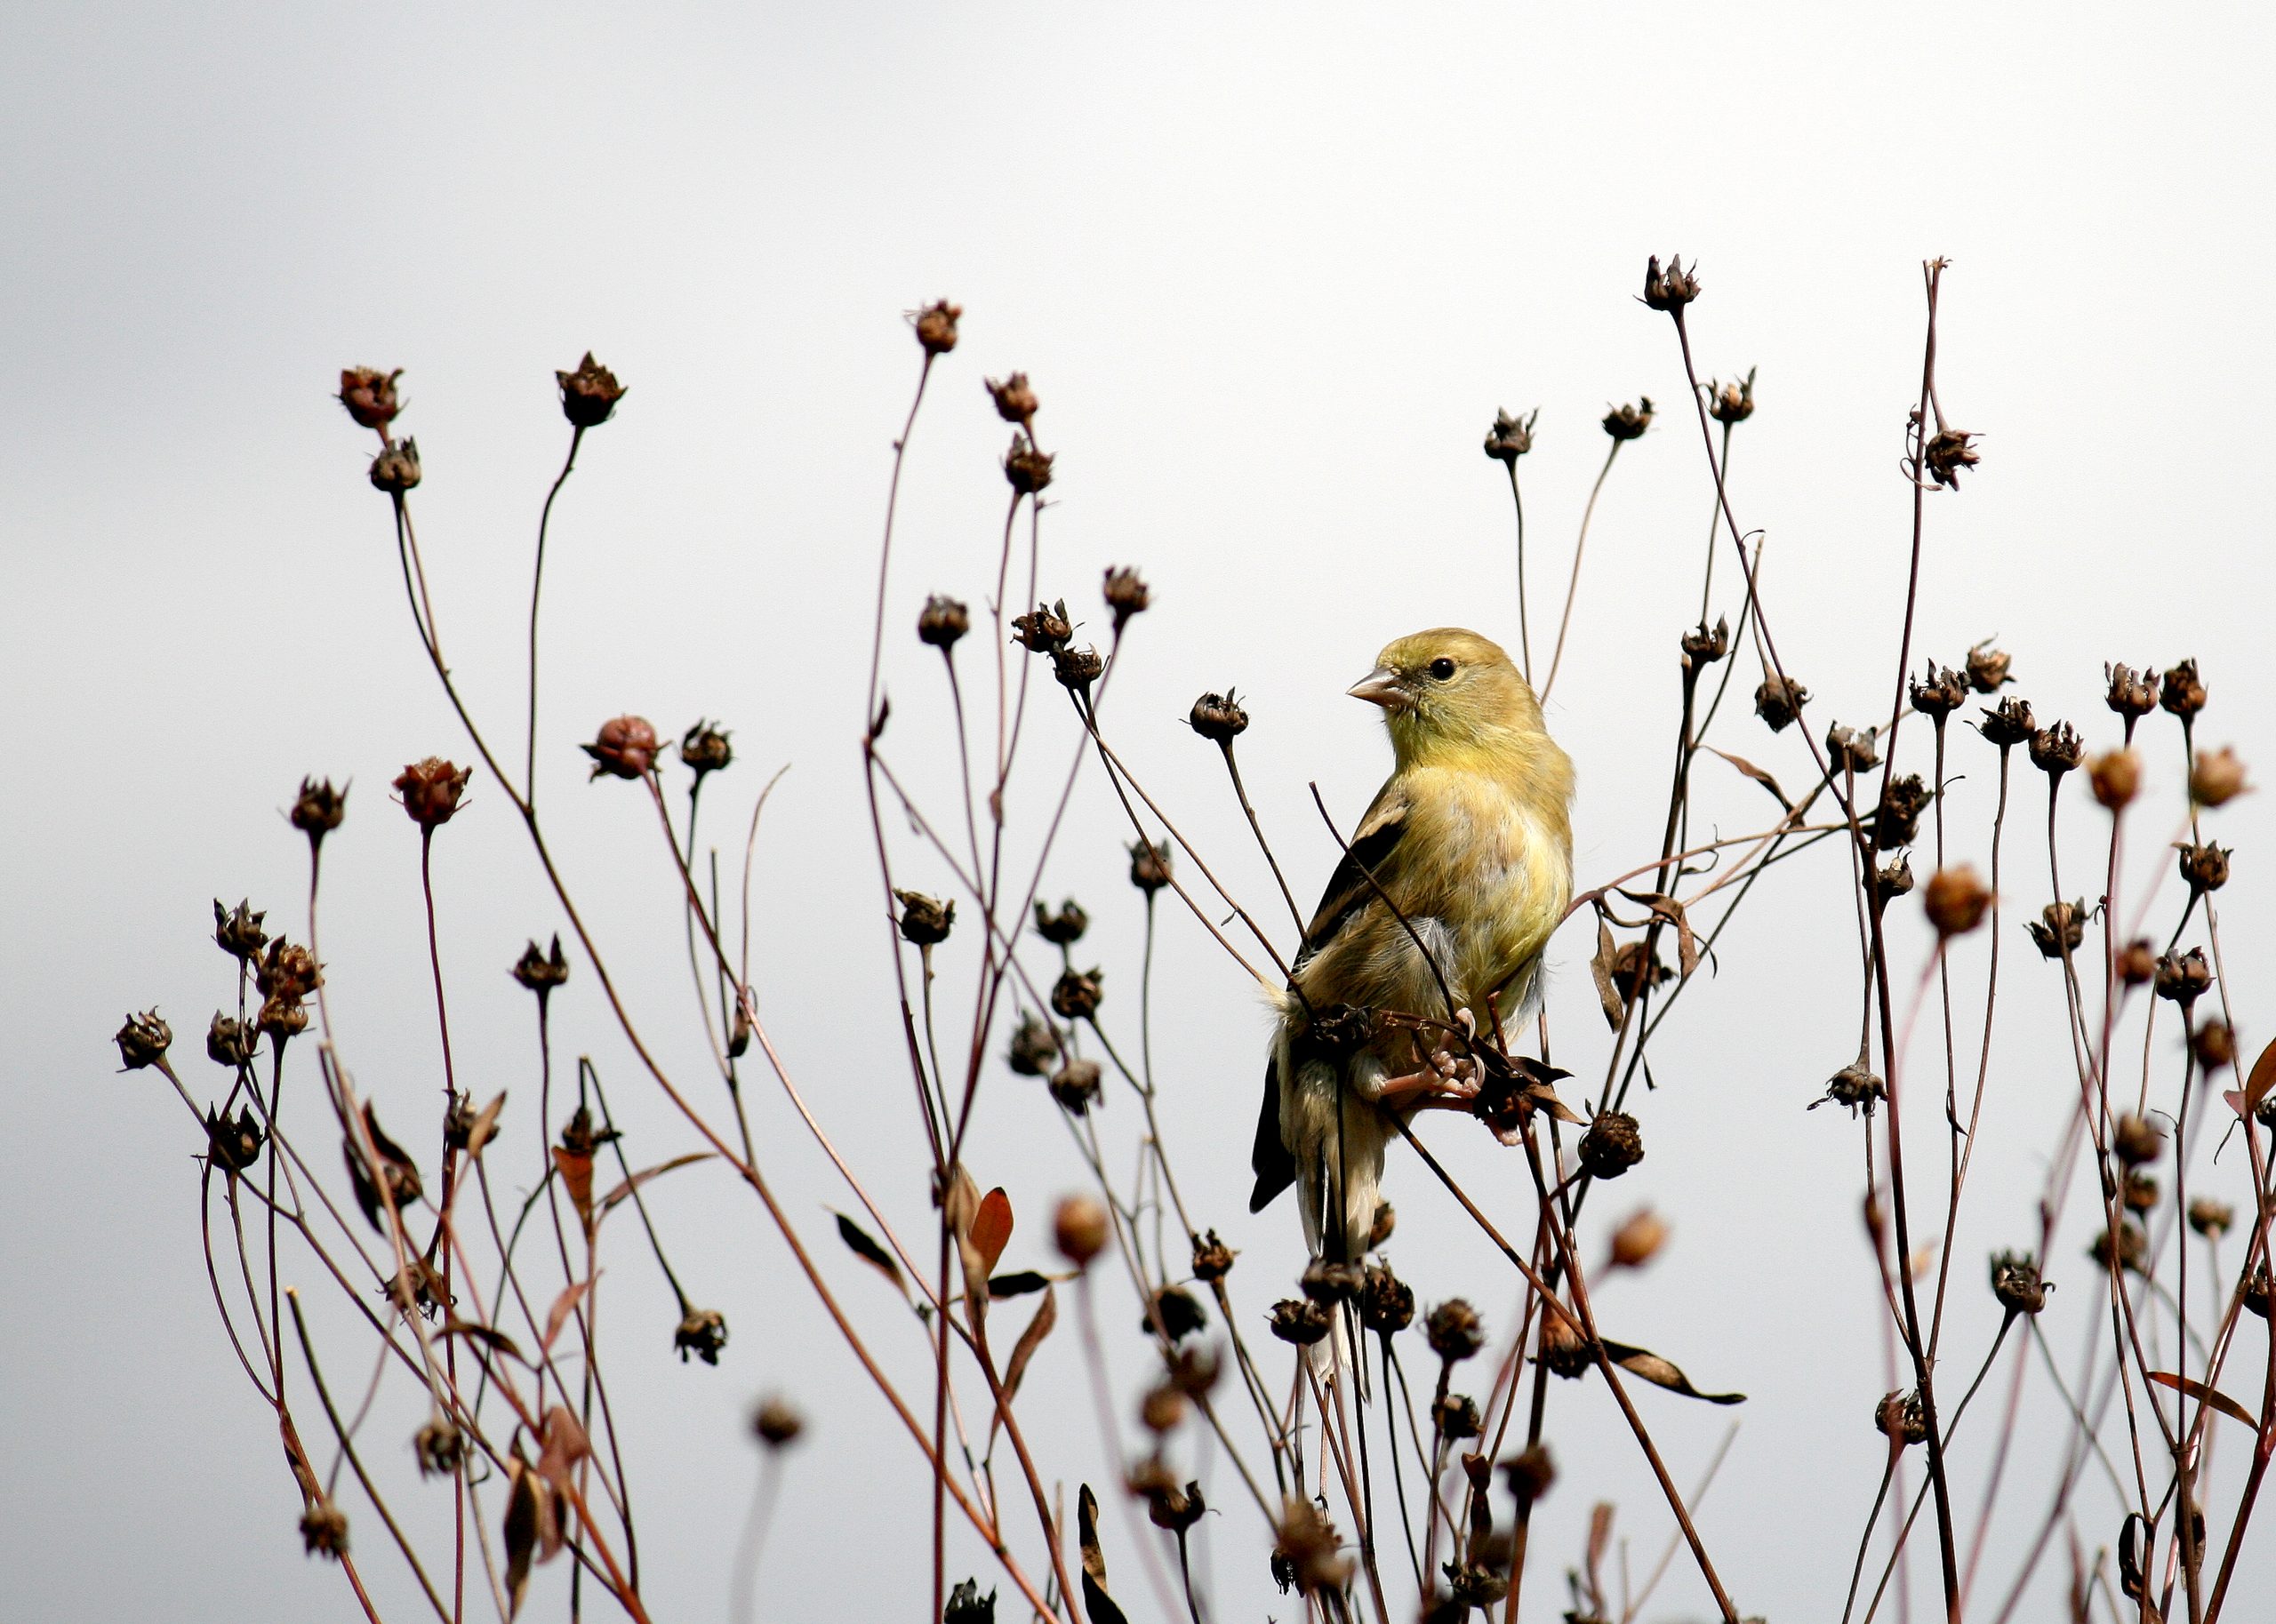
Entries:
{"x":1348,"y":891}
{"x":1274,"y":1168}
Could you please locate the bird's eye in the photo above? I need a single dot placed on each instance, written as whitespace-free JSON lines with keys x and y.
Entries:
{"x":1442,"y":668}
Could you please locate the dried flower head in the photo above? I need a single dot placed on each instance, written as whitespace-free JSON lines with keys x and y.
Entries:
{"x":2060,"y":928}
{"x":776,"y":1422}
{"x":1218,"y":718}
{"x":2137,"y":962}
{"x":2129,"y":1250}
{"x":1175,"y":1508}
{"x":1064,"y":927}
{"x":2203,"y":867}
{"x":1386,"y":1302}
{"x":1324,"y":1281}
{"x":1564,"y":1349}
{"x":1530,"y":1473}
{"x":1180,"y":1312}
{"x":703,"y":1333}
{"x":1076,"y":995}
{"x":2138,"y":1191}
{"x":319,"y":809}
{"x":290,"y":971}
{"x":1949,"y":453}
{"x":2217,"y":777}
{"x":1306,"y":1548}
{"x":704,"y":748}
{"x":626,"y":747}
{"x":1150,"y":865}
{"x":1077,"y":668}
{"x":323,"y":1530}
{"x":2215,"y":1045}
{"x":2253,"y":1291}
{"x":1014,"y":398}
{"x":2180,"y":692}
{"x":397,"y":468}
{"x":369,"y":394}
{"x":1955,"y":900}
{"x":1854,"y":1087}
{"x":1639,"y":1239}
{"x":440,"y":1448}
{"x":1902,"y":1419}
{"x":1731,"y":403}
{"x":1614,"y":1144}
{"x":1126,"y":594}
{"x":540,"y":972}
{"x":936,"y":326}
{"x":2016,"y":1283}
{"x":1511,"y":437}
{"x":1988,"y":668}
{"x":589,"y":396}
{"x":2132,"y":694}
{"x":925,"y":921}
{"x":942,"y":622}
{"x":1034,"y":1049}
{"x":1897,"y":822}
{"x":2009,"y":724}
{"x":1779,"y":702}
{"x":237,"y":931}
{"x":1671,"y":289}
{"x":1628,"y":422}
{"x":233,"y":1142}
{"x":431,"y":790}
{"x":1702,"y":647}
{"x":1027,"y":468}
{"x":1852,"y":750}
{"x":2115,"y":777}
{"x":1938,"y":692}
{"x":2056,"y":750}
{"x":1076,"y":1085}
{"x":1456,"y":1418}
{"x":230,"y":1043}
{"x":1043,"y":630}
{"x":144,"y":1041}
{"x":1079,"y":1228}
{"x":1894,"y":878}
{"x":1299,"y":1320}
{"x":2209,"y":1218}
{"x":1212,"y":1259}
{"x":2137,"y":1140}
{"x":1455,"y":1331}
{"x":2184,"y":977}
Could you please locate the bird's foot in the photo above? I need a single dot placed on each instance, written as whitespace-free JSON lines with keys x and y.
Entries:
{"x":1448,"y":1082}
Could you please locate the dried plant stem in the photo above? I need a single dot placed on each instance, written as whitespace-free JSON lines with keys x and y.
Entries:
{"x":537,"y":582}
{"x":1573,"y":587}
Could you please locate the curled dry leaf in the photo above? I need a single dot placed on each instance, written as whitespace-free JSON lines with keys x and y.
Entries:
{"x":533,"y":1527}
{"x":2204,"y":1395}
{"x":1686,"y":944}
{"x":1661,"y":1372}
{"x":565,"y":1444}
{"x":1600,"y":968}
{"x":1754,"y":772}
{"x":1047,"y":1315}
{"x":576,"y":1170}
{"x":864,"y":1246}
{"x":1022,"y":1283}
{"x":558,"y":1316}
{"x":1097,"y":1605}
{"x":497,"y":1340}
{"x":486,"y":1126}
{"x":610,"y":1201}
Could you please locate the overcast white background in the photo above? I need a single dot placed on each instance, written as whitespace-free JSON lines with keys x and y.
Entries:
{"x":1271,"y":269}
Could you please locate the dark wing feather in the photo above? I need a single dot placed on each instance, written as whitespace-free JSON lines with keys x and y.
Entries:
{"x":1347,"y":890}
{"x":1274,"y":1168}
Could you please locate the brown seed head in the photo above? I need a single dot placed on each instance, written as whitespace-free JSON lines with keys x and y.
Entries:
{"x":1669,"y":290}
{"x":1456,"y":1418}
{"x":1299,"y":1320}
{"x":431,"y":790}
{"x":1779,"y":702}
{"x":1894,"y":879}
{"x":1955,"y":900}
{"x":1379,"y":1227}
{"x":1455,"y":1331}
{"x":319,"y":809}
{"x":1987,"y":668}
{"x":1703,"y":648}
{"x":1950,"y":452}
{"x":1530,"y":1473}
{"x":1077,"y":668}
{"x":936,"y":326}
{"x":1938,"y":692}
{"x":1014,"y":398}
{"x":2137,"y":1140}
{"x":1218,"y":718}
{"x":2209,"y":1218}
{"x":2009,"y":724}
{"x":703,"y":1333}
{"x":2131,"y":693}
{"x":1629,"y":422}
{"x":1613,"y":1145}
{"x":2016,"y":1283}
{"x":2255,"y":1291}
{"x":397,"y":468}
{"x":2180,"y":692}
{"x":2129,"y":1250}
{"x":1902,"y":1419}
{"x":282,"y":1019}
{"x":323,"y":1530}
{"x":1639,"y":1239}
{"x":1854,"y":1087}
{"x":1079,"y":1228}
{"x":942,"y":622}
{"x":1044,"y":630}
{"x":369,"y":396}
{"x":2217,"y":777}
{"x":926,"y":921}
{"x":2056,"y":750}
{"x":541,"y":973}
{"x":1076,"y":1085}
{"x":704,"y":748}
{"x":2115,"y":776}
{"x":776,"y":1422}
{"x":230,"y":1043}
{"x":2137,"y":962}
{"x":2138,"y":1191}
{"x":2215,"y":1046}
{"x":626,"y":747}
{"x":1731,"y":403}
{"x":2060,"y":928}
{"x":2203,"y":867}
{"x":1852,"y":749}
{"x":1386,"y":1302}
{"x":1126,"y":594}
{"x":589,"y":396}
{"x":1175,"y":1508}
{"x":1162,"y":1408}
{"x":440,"y":1449}
{"x":237,"y":931}
{"x":2184,"y":977}
{"x":1028,"y":470}
{"x":1149,"y":865}
{"x":967,"y":1605}
{"x":144,"y":1041}
{"x":1897,"y":822}
{"x":1330,"y":1283}
{"x":290,"y":971}
{"x":1306,"y":1546}
{"x":1212,"y":1259}
{"x":1076,"y":995}
{"x":1064,"y":927}
{"x":1563,"y":1348}
{"x":1034,"y":1049}
{"x":1511,"y":437}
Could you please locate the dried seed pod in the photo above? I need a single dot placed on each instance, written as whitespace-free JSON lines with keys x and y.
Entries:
{"x":2130,"y":1250}
{"x":2056,"y":750}
{"x":1563,"y":1348}
{"x":2254,"y":1292}
{"x":1987,"y":668}
{"x":703,"y":1333}
{"x":431,"y":790}
{"x":323,"y":1530}
{"x":317,"y":810}
{"x":2203,"y":867}
{"x":1629,"y":422}
{"x":925,"y":921}
{"x":2016,"y":1282}
{"x":1034,"y":1049}
{"x":1064,"y":927}
{"x":1897,"y":822}
{"x":1456,"y":1418}
{"x":1025,"y":467}
{"x":1779,"y":702}
{"x":1043,"y":630}
{"x":396,"y":469}
{"x":1328,"y":1282}
{"x":1307,"y":1551}
{"x":2181,"y":693}
{"x":2060,"y":928}
{"x":1162,"y":1409}
{"x":1014,"y":398}
{"x":2209,"y":1218}
{"x":2215,"y":1045}
{"x":1076,"y":995}
{"x":2217,"y":777}
{"x":1852,"y":749}
{"x":230,"y":1043}
{"x":1939,"y":693}
{"x":2137,"y":962}
{"x":776,"y":1422}
{"x":144,"y":1041}
{"x":1956,"y":899}
{"x":1180,"y":1312}
{"x":1948,"y":454}
{"x":1511,"y":437}
{"x":2137,"y":1140}
{"x":625,"y":748}
{"x":1702,"y":647}
{"x":1894,"y":878}
{"x":2115,"y":776}
{"x":1639,"y":1239}
{"x":589,"y":396}
{"x":2009,"y":724}
{"x":1614,"y":1144}
{"x":1854,"y":1087}
{"x":233,"y":1142}
{"x":1080,"y":1228}
{"x":1150,"y":865}
{"x":541,"y":973}
{"x":936,"y":326}
{"x":440,"y":1448}
{"x":704,"y":748}
{"x":237,"y":931}
{"x":1386,"y":1302}
{"x":1731,"y":403}
{"x":1669,"y":290}
{"x":1076,"y":1085}
{"x":369,"y":396}
{"x":1218,"y":718}
{"x":1299,"y":1320}
{"x":2132,"y":694}
{"x":1530,"y":1473}
{"x":2137,"y":1191}
{"x":1902,"y":1419}
{"x":1077,"y":668}
{"x":942,"y":622}
{"x":1126,"y":594}
{"x":1212,"y":1259}
{"x":1455,"y":1331}
{"x":2184,"y":977}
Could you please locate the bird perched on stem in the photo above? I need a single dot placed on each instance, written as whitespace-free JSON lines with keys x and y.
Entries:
{"x":1433,"y":922}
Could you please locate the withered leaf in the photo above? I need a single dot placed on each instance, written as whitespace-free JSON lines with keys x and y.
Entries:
{"x":531,"y":1526}
{"x":1047,"y":1315}
{"x":2211,"y":1395}
{"x":991,"y":1228}
{"x":1600,"y":967}
{"x":565,"y":1444}
{"x":562,"y":1305}
{"x":1661,"y":1372}
{"x":486,"y":1126}
{"x":859,"y":1242}
{"x":1019,"y":1284}
{"x":610,"y":1201}
{"x":2263,"y":1078}
{"x":576,"y":1170}
{"x":1754,"y":772}
{"x":473,"y":1333}
{"x":1097,"y":1605}
{"x":1686,"y":945}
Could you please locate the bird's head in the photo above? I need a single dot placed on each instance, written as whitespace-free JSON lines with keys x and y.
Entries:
{"x":1449,"y":691}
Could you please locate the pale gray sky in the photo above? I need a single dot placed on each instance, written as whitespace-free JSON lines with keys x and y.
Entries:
{"x":1272,"y":269}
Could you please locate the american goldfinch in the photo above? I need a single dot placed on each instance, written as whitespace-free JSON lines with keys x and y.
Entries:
{"x":1471,"y":839}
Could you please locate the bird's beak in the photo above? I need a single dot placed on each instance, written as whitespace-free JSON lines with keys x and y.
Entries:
{"x":1381,"y":686}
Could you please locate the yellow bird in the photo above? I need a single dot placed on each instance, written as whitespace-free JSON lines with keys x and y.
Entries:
{"x":1471,"y":839}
